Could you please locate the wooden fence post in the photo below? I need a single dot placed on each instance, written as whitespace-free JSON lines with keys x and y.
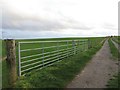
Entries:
{"x":11,"y":61}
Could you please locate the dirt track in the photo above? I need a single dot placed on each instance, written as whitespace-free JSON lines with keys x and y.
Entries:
{"x":97,"y":72}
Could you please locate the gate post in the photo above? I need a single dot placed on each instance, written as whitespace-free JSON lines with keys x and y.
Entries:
{"x":11,"y":61}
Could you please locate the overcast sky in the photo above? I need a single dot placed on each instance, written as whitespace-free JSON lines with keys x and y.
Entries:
{"x":58,"y":18}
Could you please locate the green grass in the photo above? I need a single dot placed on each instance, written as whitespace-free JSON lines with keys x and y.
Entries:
{"x":114,"y":82}
{"x":0,"y":75}
{"x":58,"y":75}
{"x":93,"y":39}
{"x":94,"y":42}
{"x":116,"y":39}
{"x":113,"y":49}
{"x":5,"y":76}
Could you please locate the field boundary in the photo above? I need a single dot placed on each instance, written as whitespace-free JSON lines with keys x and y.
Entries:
{"x":59,"y":74}
{"x":48,"y":58}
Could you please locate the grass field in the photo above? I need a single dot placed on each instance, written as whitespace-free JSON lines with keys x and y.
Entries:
{"x":94,"y":42}
{"x":51,"y":39}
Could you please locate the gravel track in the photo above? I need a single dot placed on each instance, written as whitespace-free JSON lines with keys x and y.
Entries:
{"x":97,"y":72}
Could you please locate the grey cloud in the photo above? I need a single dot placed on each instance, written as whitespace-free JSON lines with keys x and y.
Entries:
{"x":14,"y":21}
{"x":109,"y":26}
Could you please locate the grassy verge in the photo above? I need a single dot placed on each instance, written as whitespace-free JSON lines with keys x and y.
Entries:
{"x":4,"y":75}
{"x":113,"y":49}
{"x":114,"y":82}
{"x":59,"y":74}
{"x":0,"y":75}
{"x":116,"y":39}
